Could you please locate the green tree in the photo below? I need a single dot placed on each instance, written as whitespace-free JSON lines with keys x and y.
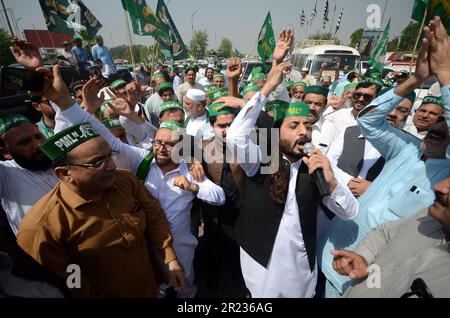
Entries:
{"x":409,"y":36}
{"x":6,"y":56}
{"x":199,"y":44}
{"x":356,"y":37}
{"x":225,"y":48}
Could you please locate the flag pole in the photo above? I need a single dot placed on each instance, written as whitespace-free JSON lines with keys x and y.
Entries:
{"x":418,"y":38}
{"x":130,"y":41}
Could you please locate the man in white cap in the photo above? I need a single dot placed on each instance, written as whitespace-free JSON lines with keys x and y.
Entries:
{"x":308,"y":79}
{"x":197,"y":121}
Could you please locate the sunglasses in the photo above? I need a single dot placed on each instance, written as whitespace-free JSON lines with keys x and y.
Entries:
{"x":367,"y":97}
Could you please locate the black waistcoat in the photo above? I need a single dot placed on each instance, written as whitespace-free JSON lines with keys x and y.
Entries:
{"x":260,"y":216}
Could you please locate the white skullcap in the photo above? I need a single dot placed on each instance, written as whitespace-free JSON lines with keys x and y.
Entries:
{"x":305,"y":69}
{"x":196,"y":95}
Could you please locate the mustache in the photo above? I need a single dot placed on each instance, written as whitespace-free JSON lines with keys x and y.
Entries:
{"x":441,"y":198}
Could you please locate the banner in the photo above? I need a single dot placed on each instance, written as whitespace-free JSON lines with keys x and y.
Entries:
{"x":439,"y":8}
{"x":172,"y":45}
{"x":70,"y":17}
{"x":378,"y":56}
{"x":266,"y":39}
{"x":143,"y":20}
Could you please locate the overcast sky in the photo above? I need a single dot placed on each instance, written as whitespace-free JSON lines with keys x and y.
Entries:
{"x":238,"y":20}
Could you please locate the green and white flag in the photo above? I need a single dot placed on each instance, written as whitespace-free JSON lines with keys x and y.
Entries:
{"x":266,"y":39}
{"x":172,"y":45}
{"x":70,"y":17}
{"x":143,"y":20}
{"x":434,"y":8}
{"x":378,"y":56}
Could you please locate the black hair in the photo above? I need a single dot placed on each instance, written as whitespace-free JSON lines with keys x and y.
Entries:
{"x":367,"y":85}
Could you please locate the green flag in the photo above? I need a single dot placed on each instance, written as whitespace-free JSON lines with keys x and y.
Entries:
{"x":439,"y":8}
{"x":266,"y":39}
{"x":378,"y":56}
{"x":143,"y":20}
{"x":172,"y":45}
{"x":70,"y":17}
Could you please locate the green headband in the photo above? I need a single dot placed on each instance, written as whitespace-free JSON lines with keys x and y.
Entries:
{"x":63,"y":142}
{"x":118,"y":84}
{"x":218,"y":75}
{"x":412,"y":97}
{"x":316,"y":89}
{"x":272,"y":105}
{"x":373,"y":81}
{"x":251,"y":88}
{"x":156,"y":75}
{"x":296,"y":84}
{"x":170,"y":105}
{"x":291,"y":110}
{"x":11,"y":121}
{"x":256,"y":70}
{"x":165,"y":85}
{"x":111,"y":123}
{"x":224,"y":111}
{"x":289,"y":84}
{"x":171,"y":124}
{"x":350,"y":86}
{"x":217,"y":93}
{"x":259,"y":76}
{"x":433,"y":100}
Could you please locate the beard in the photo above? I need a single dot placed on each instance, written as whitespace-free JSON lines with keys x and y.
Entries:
{"x":289,"y":149}
{"x":33,"y":164}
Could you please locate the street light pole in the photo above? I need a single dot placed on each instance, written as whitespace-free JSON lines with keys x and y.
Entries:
{"x":192,"y":21}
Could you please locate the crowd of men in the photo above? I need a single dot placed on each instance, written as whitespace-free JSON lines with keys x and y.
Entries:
{"x":118,"y":181}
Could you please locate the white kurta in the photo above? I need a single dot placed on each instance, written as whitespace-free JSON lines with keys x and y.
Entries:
{"x":323,"y":134}
{"x":342,"y":119}
{"x":175,"y":202}
{"x":200,"y":127}
{"x":20,"y":189}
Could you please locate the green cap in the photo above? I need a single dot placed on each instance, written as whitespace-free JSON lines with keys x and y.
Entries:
{"x":11,"y":121}
{"x":63,"y":142}
{"x":171,"y":124}
{"x":317,"y":89}
{"x":170,"y":105}
{"x":412,"y":97}
{"x":118,"y":84}
{"x":165,"y":85}
{"x":224,"y":111}
{"x":259,"y":76}
{"x":270,"y":106}
{"x":156,"y":75}
{"x":299,"y":84}
{"x":217,"y":93}
{"x":98,"y":37}
{"x":218,"y":75}
{"x":347,"y":67}
{"x":65,"y":42}
{"x":251,"y":88}
{"x":111,"y":123}
{"x":289,"y":84}
{"x":291,"y":110}
{"x":208,"y":88}
{"x":433,"y":100}
{"x":77,"y":39}
{"x":350,"y":86}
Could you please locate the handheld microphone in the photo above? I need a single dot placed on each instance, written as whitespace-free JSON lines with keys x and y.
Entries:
{"x":321,"y":182}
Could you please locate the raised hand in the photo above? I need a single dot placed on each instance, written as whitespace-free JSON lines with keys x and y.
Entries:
{"x":134,"y":92}
{"x":349,"y":264}
{"x":26,"y":54}
{"x":91,"y":100}
{"x":54,"y":87}
{"x":230,"y":101}
{"x":234,"y":69}
{"x":275,"y":77}
{"x":440,"y":51}
{"x":284,"y":44}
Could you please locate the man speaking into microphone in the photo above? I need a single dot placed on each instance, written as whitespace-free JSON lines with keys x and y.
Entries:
{"x":277,"y":225}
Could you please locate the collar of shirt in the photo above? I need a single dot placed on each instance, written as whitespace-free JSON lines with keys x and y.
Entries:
{"x":180,"y":168}
{"x":318,"y":125}
{"x":73,"y":199}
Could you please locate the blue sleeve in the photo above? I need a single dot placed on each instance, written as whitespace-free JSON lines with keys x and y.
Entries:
{"x":388,"y":140}
{"x":94,"y":53}
{"x":446,"y":97}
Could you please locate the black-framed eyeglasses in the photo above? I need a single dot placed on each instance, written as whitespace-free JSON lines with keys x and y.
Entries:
{"x":167,"y":144}
{"x":367,"y":97}
{"x":96,"y":165}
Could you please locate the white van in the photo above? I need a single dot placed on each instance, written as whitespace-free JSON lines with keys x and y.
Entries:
{"x":313,"y":57}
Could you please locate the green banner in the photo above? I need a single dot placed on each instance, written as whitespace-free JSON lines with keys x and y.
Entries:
{"x":143,"y":20}
{"x":70,"y":17}
{"x":434,"y":8}
{"x":266,"y":39}
{"x":378,"y":56}
{"x":173,"y":45}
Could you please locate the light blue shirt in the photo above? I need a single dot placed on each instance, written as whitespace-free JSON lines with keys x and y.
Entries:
{"x":403,"y":187}
{"x":102,"y":53}
{"x":82,"y":56}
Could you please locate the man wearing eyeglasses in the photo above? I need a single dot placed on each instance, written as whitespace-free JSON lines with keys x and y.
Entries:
{"x":412,"y":167}
{"x":63,"y":227}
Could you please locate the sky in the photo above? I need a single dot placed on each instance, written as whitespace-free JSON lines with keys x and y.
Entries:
{"x":238,"y":20}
